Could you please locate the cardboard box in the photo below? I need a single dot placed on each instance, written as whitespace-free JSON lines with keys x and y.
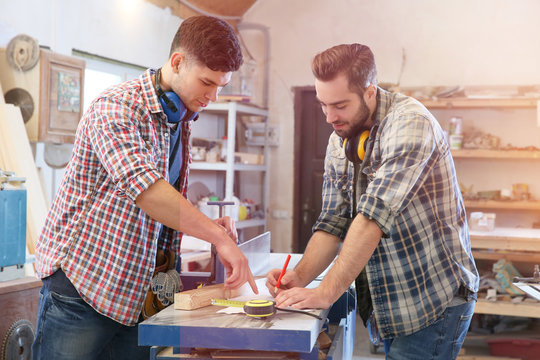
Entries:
{"x":247,"y":158}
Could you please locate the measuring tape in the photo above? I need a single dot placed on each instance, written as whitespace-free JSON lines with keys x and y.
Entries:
{"x":253,"y":308}
{"x":258,"y":308}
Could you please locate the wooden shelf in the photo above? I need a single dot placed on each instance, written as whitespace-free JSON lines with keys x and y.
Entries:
{"x":501,"y":307}
{"x":502,"y":205}
{"x":250,"y":223}
{"x":222,"y":166}
{"x":510,"y":239}
{"x":239,"y":108}
{"x":514,"y":256}
{"x":469,"y":103}
{"x":495,"y":154}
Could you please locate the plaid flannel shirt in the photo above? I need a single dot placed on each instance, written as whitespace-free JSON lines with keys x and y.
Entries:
{"x":408,"y":186}
{"x":103,"y":242}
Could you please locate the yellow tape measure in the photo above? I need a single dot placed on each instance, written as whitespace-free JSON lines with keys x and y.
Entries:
{"x":253,"y":308}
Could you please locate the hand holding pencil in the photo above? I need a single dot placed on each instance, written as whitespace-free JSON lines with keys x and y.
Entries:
{"x":282,"y":279}
{"x":282,"y":273}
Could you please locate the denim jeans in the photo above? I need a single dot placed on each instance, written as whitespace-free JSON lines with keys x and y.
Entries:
{"x":69,"y":328}
{"x":442,"y":340}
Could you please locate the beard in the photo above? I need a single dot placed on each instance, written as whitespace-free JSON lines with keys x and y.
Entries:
{"x":358,"y":123}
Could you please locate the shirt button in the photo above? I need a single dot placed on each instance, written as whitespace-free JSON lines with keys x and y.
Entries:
{"x":344,"y":187}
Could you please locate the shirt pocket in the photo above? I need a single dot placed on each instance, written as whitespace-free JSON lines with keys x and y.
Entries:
{"x":343,"y":186}
{"x":371,"y":170}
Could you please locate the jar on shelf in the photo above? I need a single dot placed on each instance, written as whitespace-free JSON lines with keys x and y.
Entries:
{"x":454,"y":127}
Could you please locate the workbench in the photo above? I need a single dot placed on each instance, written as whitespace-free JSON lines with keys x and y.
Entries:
{"x":293,"y":335}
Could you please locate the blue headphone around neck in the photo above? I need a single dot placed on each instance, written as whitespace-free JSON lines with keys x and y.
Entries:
{"x":172,"y":106}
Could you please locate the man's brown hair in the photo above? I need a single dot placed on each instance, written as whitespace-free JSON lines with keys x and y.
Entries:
{"x":210,"y":41}
{"x":356,"y":61}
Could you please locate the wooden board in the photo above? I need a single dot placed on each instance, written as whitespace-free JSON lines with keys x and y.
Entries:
{"x":27,"y":80}
{"x":16,"y":155}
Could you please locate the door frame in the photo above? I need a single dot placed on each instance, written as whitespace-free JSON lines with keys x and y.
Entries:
{"x":297,"y":207}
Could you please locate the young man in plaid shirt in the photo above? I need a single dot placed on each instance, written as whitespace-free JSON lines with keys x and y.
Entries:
{"x":122,"y":201}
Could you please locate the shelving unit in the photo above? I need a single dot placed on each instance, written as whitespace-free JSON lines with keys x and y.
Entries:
{"x":519,"y":245}
{"x":230,"y":112}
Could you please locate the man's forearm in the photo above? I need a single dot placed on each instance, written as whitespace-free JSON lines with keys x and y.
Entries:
{"x":320,"y":251}
{"x":361,"y":240}
{"x":165,"y":204}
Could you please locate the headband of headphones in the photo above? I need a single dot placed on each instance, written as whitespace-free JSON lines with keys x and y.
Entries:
{"x":172,"y":106}
{"x":355,"y":147}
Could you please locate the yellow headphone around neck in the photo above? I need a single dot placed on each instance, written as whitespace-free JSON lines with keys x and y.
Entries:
{"x":355,"y":147}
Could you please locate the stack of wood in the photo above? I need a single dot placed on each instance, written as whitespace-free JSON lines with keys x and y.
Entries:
{"x":16,"y":155}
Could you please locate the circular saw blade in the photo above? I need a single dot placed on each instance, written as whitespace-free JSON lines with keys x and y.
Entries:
{"x":22,"y":52}
{"x":21,"y":98}
{"x":17,"y":343}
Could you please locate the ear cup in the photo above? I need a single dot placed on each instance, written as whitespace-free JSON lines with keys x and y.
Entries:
{"x":171,"y":103}
{"x":172,"y":106}
{"x":355,"y":147}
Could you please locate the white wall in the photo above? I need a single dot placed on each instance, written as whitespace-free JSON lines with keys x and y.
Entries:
{"x":460,"y":42}
{"x":132,"y":31}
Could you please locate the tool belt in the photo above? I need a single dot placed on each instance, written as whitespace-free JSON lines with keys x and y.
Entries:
{"x":164,"y":283}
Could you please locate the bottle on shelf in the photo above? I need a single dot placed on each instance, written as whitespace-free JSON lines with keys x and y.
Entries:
{"x":223,"y":148}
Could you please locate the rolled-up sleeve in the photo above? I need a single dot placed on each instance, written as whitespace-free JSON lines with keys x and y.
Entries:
{"x":128,"y":158}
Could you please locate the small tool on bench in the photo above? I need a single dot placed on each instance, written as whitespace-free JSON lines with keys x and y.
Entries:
{"x":530,"y":285}
{"x":258,"y":308}
{"x":213,"y":252}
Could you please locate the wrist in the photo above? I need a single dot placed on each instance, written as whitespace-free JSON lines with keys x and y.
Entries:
{"x":219,"y":236}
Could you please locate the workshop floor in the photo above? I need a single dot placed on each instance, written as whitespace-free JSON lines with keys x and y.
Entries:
{"x":361,"y":344}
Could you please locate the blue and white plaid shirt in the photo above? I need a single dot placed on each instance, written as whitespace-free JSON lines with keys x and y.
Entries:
{"x":408,"y":186}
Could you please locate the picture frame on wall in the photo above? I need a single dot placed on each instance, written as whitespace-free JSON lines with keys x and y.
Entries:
{"x":61,"y":96}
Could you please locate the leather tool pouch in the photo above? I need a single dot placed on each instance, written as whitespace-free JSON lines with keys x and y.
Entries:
{"x":165,"y":260}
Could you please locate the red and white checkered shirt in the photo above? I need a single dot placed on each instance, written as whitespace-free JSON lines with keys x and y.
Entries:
{"x":94,"y":232}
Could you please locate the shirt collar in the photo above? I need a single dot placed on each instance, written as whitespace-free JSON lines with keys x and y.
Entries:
{"x":149,"y":91}
{"x":384,"y":102}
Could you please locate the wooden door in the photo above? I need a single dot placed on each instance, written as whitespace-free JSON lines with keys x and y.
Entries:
{"x":311,"y":138}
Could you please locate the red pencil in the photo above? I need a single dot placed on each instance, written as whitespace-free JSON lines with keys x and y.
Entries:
{"x":282,"y":273}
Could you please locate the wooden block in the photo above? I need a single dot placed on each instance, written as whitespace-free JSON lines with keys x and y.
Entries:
{"x":16,"y":155}
{"x":324,"y":340}
{"x":198,"y":298}
{"x":247,"y":158}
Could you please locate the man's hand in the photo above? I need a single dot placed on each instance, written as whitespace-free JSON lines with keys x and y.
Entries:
{"x":289,"y":280}
{"x":228,"y":224}
{"x":302,"y":298}
{"x":236,"y":265}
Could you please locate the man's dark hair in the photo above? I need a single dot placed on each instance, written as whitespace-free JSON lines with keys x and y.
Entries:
{"x":356,"y":61}
{"x":210,"y":41}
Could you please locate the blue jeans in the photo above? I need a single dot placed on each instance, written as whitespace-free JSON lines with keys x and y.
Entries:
{"x":69,"y":328}
{"x":442,"y":340}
